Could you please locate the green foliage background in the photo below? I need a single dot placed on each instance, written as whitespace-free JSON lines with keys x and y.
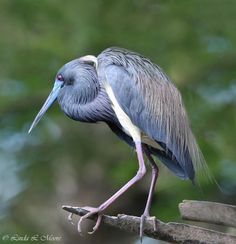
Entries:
{"x":66,"y":162}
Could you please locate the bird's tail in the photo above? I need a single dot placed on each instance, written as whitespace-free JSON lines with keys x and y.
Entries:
{"x":193,"y":172}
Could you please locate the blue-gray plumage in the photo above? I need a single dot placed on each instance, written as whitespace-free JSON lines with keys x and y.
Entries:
{"x":154,"y":104}
{"x":141,"y":106}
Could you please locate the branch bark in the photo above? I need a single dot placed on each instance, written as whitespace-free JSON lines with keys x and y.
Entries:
{"x":154,"y":228}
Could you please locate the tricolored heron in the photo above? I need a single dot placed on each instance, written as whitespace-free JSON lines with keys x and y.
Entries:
{"x":136,"y":99}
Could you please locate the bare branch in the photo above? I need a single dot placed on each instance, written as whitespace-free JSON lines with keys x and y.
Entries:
{"x":209,"y":212}
{"x":154,"y":228}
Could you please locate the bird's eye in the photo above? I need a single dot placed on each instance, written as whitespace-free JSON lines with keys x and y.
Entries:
{"x":60,"y":77}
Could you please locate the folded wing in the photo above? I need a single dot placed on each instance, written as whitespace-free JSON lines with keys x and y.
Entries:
{"x":154,"y":105}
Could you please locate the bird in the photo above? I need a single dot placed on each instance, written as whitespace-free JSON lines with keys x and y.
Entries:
{"x":140,"y":104}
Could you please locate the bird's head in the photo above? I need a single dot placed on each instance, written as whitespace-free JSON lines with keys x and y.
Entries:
{"x":73,"y":82}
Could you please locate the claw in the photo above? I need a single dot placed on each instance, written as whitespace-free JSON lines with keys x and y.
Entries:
{"x":92,"y":211}
{"x":154,"y":223}
{"x":70,"y":218}
{"x":96,"y":225}
{"x":79,"y":226}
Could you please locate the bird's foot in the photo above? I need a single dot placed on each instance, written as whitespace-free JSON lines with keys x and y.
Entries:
{"x":142,"y":222}
{"x":92,"y":211}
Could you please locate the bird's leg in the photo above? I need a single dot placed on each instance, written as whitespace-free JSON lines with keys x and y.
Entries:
{"x":155,"y":172}
{"x":106,"y":204}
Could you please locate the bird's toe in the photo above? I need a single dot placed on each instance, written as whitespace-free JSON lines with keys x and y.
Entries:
{"x":70,"y":218}
{"x":92,"y":211}
{"x":142,"y":221}
{"x":153,"y":218}
{"x":96,"y":225}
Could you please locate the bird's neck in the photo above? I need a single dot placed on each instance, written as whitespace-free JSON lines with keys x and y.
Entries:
{"x":87,"y":105}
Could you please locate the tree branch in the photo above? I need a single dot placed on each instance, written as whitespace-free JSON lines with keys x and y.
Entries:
{"x":210,"y":212}
{"x":154,"y":228}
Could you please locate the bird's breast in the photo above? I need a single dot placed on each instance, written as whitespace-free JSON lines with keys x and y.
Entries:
{"x":126,"y":123}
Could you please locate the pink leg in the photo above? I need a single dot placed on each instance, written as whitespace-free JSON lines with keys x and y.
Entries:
{"x":141,"y":172}
{"x":155,"y":172}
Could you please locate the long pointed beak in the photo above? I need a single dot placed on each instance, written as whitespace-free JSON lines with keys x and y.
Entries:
{"x":50,"y":100}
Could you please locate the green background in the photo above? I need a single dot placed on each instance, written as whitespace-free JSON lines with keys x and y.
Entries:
{"x":66,"y":162}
